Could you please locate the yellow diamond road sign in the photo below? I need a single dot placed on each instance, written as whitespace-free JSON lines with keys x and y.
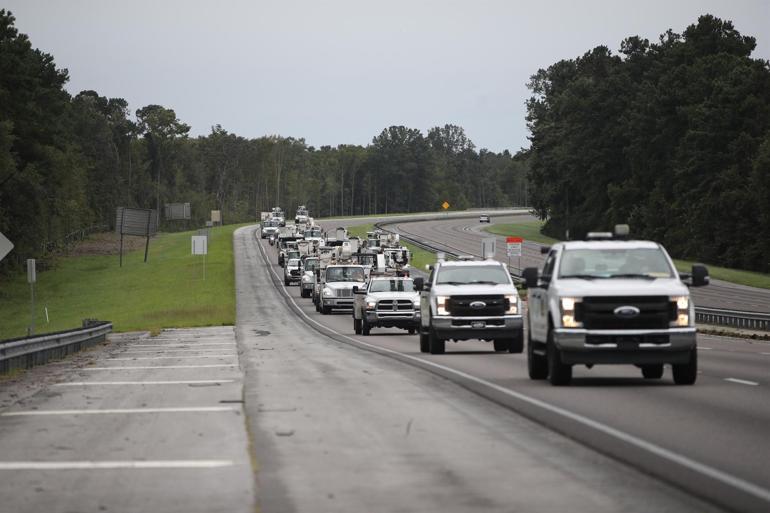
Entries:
{"x":445,"y":205}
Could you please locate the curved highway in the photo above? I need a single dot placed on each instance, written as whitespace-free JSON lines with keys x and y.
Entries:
{"x":710,"y":438}
{"x":464,"y":236}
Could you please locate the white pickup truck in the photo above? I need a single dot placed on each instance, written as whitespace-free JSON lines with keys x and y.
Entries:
{"x":607,"y":300}
{"x":388,"y":302}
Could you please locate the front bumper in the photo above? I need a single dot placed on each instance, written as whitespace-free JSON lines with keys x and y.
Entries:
{"x":289,"y":277}
{"x":339,"y":303}
{"x":464,"y":328}
{"x":641,"y":347}
{"x":388,"y":319}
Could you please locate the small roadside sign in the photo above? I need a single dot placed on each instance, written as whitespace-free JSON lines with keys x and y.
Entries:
{"x":488,"y":247}
{"x":445,"y":205}
{"x":5,"y":246}
{"x":200,"y":245}
{"x":31,"y":271}
{"x":514,"y":245}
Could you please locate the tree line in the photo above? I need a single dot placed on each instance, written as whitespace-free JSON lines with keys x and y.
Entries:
{"x":672,"y":137}
{"x":66,"y":162}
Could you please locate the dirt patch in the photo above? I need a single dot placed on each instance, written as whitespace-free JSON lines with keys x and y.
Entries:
{"x":106,"y":243}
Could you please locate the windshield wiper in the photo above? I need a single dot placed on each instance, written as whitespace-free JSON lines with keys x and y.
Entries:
{"x":451,"y":283}
{"x":634,"y":275}
{"x":483,"y":282}
{"x":582,"y":276}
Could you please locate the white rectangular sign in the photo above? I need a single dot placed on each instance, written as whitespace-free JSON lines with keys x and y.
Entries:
{"x":488,"y":247}
{"x":514,"y":249}
{"x":31,"y":271}
{"x":200,"y":245}
{"x":5,"y":246}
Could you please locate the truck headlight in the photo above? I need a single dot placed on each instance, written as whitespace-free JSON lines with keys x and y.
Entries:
{"x":371,"y":304}
{"x":328,"y":292}
{"x":568,"y":316}
{"x":513,"y":305}
{"x":680,"y":309}
{"x":416,"y":303}
{"x":441,"y":305}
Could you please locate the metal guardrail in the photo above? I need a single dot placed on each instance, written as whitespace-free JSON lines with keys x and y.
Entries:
{"x":756,"y":321}
{"x":26,"y":352}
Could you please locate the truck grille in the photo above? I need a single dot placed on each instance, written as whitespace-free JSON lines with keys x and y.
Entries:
{"x":344,"y":293}
{"x":655,"y":312}
{"x":295,"y":272}
{"x":460,"y":306}
{"x":395,"y":305}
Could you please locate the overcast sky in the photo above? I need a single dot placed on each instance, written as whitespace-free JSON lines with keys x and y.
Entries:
{"x":338,"y":72}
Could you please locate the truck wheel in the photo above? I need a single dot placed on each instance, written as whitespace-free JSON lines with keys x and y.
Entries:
{"x":326,"y":310}
{"x":502,"y":344}
{"x":411,"y":331}
{"x":687,"y":373}
{"x":357,"y":326}
{"x":517,"y":342}
{"x":365,"y":328}
{"x":424,"y":343}
{"x":559,"y":374}
{"x":652,"y":371}
{"x":537,"y":364}
{"x":286,"y":282}
{"x":435,"y":344}
{"x":317,"y":308}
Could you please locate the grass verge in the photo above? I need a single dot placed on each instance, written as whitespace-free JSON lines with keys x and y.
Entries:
{"x":530,"y":230}
{"x":167,"y":292}
{"x":420,"y":257}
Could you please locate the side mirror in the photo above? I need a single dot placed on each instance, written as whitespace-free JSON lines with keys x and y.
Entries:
{"x":544,"y":250}
{"x":355,"y":289}
{"x":428,"y":267}
{"x":531,"y":278}
{"x":419,"y":284}
{"x":700,"y":275}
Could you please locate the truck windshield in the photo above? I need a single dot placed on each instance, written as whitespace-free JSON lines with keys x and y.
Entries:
{"x":392,"y":286}
{"x":312,"y":233}
{"x":311,"y":264}
{"x":345,"y":274}
{"x":646,"y":263}
{"x":486,"y":274}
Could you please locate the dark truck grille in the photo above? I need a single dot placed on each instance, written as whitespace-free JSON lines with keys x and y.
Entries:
{"x":395,"y":305}
{"x":460,"y":306}
{"x":598,"y":313}
{"x":294,"y":272}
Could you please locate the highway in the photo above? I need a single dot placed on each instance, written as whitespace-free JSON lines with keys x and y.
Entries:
{"x":464,"y":236}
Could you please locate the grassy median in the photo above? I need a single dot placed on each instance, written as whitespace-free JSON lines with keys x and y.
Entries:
{"x":168,"y":291}
{"x":530,"y":230}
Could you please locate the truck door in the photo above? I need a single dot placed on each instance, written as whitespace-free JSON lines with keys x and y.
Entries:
{"x":538,"y":303}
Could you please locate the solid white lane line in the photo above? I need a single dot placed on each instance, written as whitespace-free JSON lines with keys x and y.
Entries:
{"x":124,"y":367}
{"x":705,"y":348}
{"x":176,"y":382}
{"x":186,"y":345}
{"x":106,"y":465}
{"x":200,"y":409}
{"x":767,"y":354}
{"x":171,"y":351}
{"x":171,"y":357}
{"x":730,"y":480}
{"x":742,"y":382}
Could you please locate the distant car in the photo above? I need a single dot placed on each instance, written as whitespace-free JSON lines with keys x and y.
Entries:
{"x":484,"y":218}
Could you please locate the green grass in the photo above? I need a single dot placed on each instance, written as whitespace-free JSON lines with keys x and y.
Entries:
{"x":168,"y":291}
{"x":420,"y":257}
{"x":530,"y":230}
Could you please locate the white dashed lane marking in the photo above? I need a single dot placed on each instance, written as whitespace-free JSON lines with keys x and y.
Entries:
{"x":172,"y":357}
{"x":199,"y":409}
{"x":175,"y":382}
{"x":742,"y":382}
{"x":107,"y":465}
{"x":160,"y":367}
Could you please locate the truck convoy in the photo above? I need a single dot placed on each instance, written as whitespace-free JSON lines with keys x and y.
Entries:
{"x":603,"y":300}
{"x":609,"y":300}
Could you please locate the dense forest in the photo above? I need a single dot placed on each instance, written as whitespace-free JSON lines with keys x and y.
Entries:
{"x":672,"y":137}
{"x":67,"y":162}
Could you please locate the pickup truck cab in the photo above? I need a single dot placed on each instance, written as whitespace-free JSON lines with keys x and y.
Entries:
{"x":292,"y":271}
{"x":607,"y":300}
{"x":309,"y":266}
{"x":336,"y":286}
{"x":388,"y":302}
{"x":464,"y":300}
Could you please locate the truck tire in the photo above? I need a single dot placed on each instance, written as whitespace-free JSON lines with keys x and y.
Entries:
{"x":517,"y":342}
{"x":411,"y":331}
{"x":325,"y":310}
{"x":502,"y":344}
{"x":357,"y":326}
{"x":365,"y":328}
{"x":286,"y":282}
{"x":435,"y":344}
{"x":559,"y":374}
{"x":652,"y":371}
{"x":424,"y":343}
{"x":537,"y":364}
{"x":687,"y":373}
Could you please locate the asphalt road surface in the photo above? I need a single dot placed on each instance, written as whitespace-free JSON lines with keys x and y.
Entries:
{"x":719,"y":426}
{"x":464,"y":236}
{"x":137,"y":425}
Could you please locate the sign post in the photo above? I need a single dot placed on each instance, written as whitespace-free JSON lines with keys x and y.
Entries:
{"x":514,"y":245}
{"x":31,"y":279}
{"x":200,"y":246}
